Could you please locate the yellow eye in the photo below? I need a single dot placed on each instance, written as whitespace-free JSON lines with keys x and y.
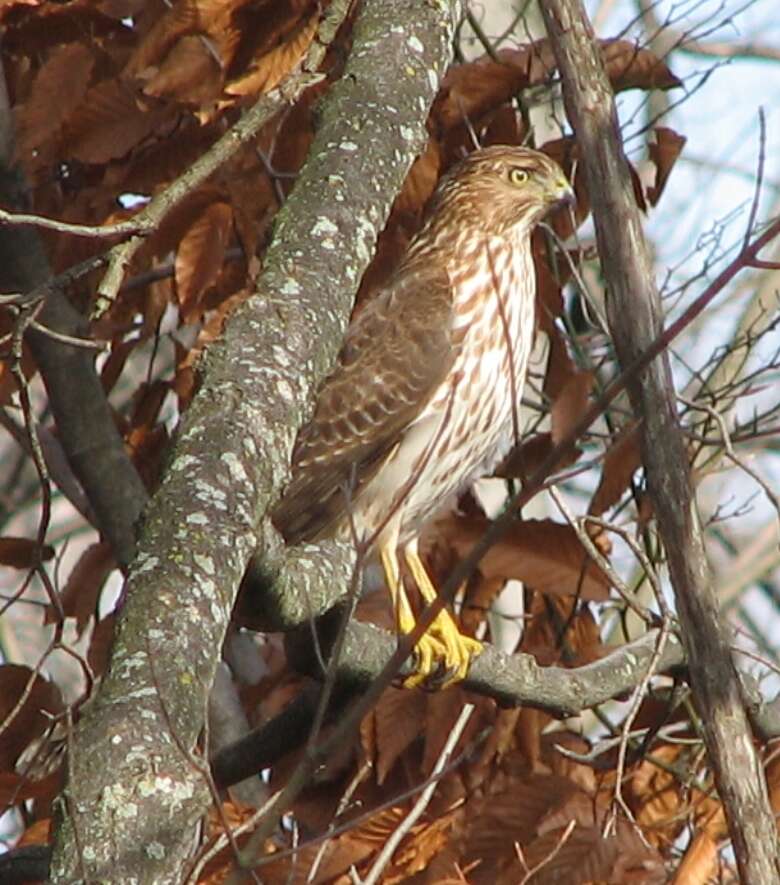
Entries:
{"x":518,"y":176}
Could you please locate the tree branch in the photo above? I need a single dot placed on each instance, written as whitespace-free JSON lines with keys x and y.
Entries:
{"x":133,"y":799}
{"x":85,"y":424}
{"x":635,"y":317}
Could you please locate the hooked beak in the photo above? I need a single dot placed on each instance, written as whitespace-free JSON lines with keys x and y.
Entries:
{"x":562,"y":194}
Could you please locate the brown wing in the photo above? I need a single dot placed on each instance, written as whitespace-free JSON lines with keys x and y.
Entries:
{"x":395,"y":355}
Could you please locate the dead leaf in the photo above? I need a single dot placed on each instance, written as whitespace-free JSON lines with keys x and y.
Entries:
{"x":570,"y":405}
{"x":527,"y":458}
{"x":664,"y":152}
{"x":109,"y":123}
{"x":58,"y":88}
{"x":201,"y":253}
{"x":15,"y":788}
{"x":23,"y":553}
{"x":470,"y":90}
{"x":100,"y":644}
{"x":37,"y":697}
{"x":546,"y":555}
{"x":622,"y":460}
{"x":272,"y":67}
{"x":699,"y":863}
{"x":81,"y":592}
{"x":189,"y":74}
{"x":399,"y":720}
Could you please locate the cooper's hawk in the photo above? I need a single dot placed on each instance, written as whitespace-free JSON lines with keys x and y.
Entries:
{"x":425,"y":394}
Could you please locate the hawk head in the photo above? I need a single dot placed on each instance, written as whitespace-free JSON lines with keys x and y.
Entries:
{"x":503,"y":188}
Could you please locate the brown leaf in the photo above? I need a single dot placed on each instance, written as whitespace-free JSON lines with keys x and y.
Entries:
{"x":100,"y":644}
{"x":570,"y":405}
{"x":82,"y":589}
{"x":622,"y":460}
{"x":58,"y":88}
{"x":546,"y":555}
{"x":29,"y":720}
{"x":109,"y":123}
{"x":586,"y":856}
{"x":700,"y":862}
{"x":147,"y":402}
{"x":180,"y":18}
{"x":560,"y":366}
{"x":499,"y":820}
{"x":443,"y":709}
{"x":566,"y":153}
{"x":629,"y":66}
{"x":399,"y":720}
{"x":272,"y":67}
{"x":524,"y":460}
{"x":15,"y":788}
{"x":421,"y":180}
{"x":562,"y":631}
{"x":470,"y":90}
{"x":23,"y":553}
{"x":664,"y":152}
{"x":201,"y":253}
{"x":189,"y":73}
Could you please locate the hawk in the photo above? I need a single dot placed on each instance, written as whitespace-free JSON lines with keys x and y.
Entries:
{"x":424,"y":397}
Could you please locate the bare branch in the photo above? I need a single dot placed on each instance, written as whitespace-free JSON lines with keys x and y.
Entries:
{"x":635,"y":317}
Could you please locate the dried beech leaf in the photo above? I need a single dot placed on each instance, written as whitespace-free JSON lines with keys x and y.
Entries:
{"x":100,"y":644}
{"x":586,"y":856}
{"x":271,"y":68}
{"x":566,"y":153}
{"x":498,"y":820}
{"x":15,"y":788}
{"x":570,"y":405}
{"x":23,"y":553}
{"x":470,"y":90}
{"x":621,"y":462}
{"x":201,"y":253}
{"x":524,"y":460}
{"x":543,"y":638}
{"x":180,"y":18}
{"x":57,"y":90}
{"x":664,"y":152}
{"x":358,"y":844}
{"x":38,"y":833}
{"x":29,"y":720}
{"x":147,"y":402}
{"x":108,"y":124}
{"x":630,"y":66}
{"x":400,"y":719}
{"x":560,"y":366}
{"x":82,"y":589}
{"x":546,"y":555}
{"x":443,"y":709}
{"x":700,"y":862}
{"x":189,"y":74}
{"x":421,"y":180}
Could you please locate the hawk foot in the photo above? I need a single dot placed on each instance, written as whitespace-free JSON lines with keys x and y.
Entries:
{"x":442,"y":654}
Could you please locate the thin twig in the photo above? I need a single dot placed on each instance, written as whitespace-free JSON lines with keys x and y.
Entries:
{"x":422,"y":803}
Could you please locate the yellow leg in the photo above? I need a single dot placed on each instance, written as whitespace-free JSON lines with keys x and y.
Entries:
{"x":447,"y":644}
{"x":404,"y":616}
{"x":428,"y":648}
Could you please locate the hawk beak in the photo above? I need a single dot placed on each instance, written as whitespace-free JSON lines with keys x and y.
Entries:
{"x":562,"y":193}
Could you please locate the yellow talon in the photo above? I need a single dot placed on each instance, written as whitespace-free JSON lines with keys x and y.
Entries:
{"x":443,"y":653}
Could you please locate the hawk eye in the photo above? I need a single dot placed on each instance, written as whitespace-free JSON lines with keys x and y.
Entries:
{"x":518,"y":175}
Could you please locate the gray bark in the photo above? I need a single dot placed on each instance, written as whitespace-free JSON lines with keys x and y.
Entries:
{"x":636,"y":320}
{"x":135,"y":793}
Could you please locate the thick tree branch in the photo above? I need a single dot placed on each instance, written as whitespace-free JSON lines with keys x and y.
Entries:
{"x":635,"y":316}
{"x":133,"y":797}
{"x":511,"y":679}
